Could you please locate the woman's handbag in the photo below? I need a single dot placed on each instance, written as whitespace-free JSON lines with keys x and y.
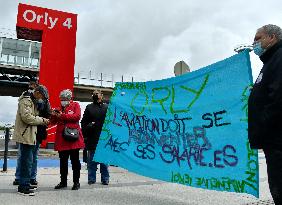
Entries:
{"x":70,"y":134}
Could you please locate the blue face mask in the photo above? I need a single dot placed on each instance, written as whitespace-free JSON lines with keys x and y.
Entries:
{"x":258,"y":50}
{"x":40,"y":101}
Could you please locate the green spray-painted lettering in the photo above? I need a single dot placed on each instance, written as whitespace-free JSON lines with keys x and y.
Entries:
{"x":181,"y":178}
{"x":196,"y":92}
{"x":166,"y":96}
{"x":224,"y":183}
{"x":161,"y":100}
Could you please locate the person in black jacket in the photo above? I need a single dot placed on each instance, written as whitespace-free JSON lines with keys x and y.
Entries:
{"x":92,"y":123}
{"x":265,"y":105}
{"x":44,"y":109}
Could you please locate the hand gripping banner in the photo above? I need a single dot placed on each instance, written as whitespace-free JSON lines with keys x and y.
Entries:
{"x":190,"y":129}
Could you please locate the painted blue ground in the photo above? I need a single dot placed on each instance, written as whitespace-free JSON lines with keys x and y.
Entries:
{"x":41,"y":163}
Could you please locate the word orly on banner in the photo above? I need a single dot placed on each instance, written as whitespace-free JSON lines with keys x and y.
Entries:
{"x":31,"y":16}
{"x":166,"y":94}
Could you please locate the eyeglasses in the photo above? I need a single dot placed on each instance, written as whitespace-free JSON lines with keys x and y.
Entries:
{"x":257,"y":40}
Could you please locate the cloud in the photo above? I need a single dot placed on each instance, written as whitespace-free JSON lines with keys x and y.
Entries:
{"x":132,"y":37}
{"x":8,"y":109}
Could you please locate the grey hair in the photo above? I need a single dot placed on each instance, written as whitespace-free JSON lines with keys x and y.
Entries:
{"x":66,"y":94}
{"x":271,"y":29}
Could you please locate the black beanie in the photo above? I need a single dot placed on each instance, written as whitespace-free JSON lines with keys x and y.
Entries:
{"x":43,"y":90}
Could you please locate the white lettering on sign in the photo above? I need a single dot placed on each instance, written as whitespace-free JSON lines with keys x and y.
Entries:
{"x":30,"y":16}
{"x":67,"y":23}
{"x":33,"y":16}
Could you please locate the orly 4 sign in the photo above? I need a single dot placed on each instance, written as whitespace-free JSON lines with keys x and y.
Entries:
{"x":31,"y":16}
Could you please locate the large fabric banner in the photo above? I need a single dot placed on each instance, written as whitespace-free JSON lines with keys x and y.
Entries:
{"x":190,"y":129}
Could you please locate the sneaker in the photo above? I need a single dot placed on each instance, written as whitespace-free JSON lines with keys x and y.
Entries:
{"x":33,"y":187}
{"x":61,"y":185}
{"x":25,"y":192}
{"x":76,"y":186}
{"x":16,"y":182}
{"x":33,"y":182}
{"x":106,"y":182}
{"x":91,"y":182}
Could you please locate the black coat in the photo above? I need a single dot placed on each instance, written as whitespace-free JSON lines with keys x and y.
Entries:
{"x":265,"y":102}
{"x":92,"y":123}
{"x":44,"y":111}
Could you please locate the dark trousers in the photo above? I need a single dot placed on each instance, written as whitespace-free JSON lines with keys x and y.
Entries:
{"x":74,"y":157}
{"x":26,"y":160}
{"x":274,"y":170}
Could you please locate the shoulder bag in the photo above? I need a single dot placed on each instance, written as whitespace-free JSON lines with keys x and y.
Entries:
{"x":70,"y":134}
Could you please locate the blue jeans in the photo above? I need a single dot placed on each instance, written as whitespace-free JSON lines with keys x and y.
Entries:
{"x":34,"y":162}
{"x":92,"y":168}
{"x":25,"y":164}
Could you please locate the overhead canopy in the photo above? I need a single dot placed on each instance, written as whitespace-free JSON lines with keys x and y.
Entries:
{"x":20,"y":52}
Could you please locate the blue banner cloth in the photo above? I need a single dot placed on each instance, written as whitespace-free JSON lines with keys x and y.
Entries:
{"x":190,"y":129}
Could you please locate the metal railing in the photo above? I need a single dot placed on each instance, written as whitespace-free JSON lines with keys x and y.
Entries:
{"x":100,"y":79}
{"x":8,"y":33}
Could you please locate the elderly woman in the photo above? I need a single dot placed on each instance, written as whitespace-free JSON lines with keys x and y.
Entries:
{"x":68,"y":115}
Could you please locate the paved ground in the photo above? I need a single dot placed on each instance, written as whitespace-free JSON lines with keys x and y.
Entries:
{"x":125,"y":188}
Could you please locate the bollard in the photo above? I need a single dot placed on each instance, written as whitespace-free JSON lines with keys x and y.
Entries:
{"x":7,"y":138}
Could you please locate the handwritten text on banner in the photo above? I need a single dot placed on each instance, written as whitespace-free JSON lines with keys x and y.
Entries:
{"x":190,"y":129}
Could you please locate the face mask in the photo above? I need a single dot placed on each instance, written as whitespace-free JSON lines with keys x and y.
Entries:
{"x":65,"y":103}
{"x":30,"y":90}
{"x":95,"y":97}
{"x":40,"y":101}
{"x":258,"y":50}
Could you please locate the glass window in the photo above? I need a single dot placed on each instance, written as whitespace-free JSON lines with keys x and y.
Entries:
{"x":20,"y":52}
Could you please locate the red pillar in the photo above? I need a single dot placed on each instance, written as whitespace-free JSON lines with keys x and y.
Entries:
{"x":57,"y":31}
